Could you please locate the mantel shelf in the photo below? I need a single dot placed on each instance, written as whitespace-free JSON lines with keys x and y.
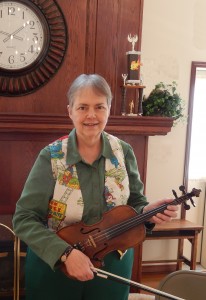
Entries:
{"x":137,"y":125}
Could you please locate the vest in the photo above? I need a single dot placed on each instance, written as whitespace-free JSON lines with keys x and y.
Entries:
{"x":67,"y":204}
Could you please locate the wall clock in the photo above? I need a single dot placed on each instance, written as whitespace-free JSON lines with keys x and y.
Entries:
{"x":33,"y":43}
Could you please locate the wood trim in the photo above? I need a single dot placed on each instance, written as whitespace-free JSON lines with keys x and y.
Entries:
{"x":161,"y":268}
{"x":194,"y":66}
{"x":29,"y":123}
{"x":140,"y":22}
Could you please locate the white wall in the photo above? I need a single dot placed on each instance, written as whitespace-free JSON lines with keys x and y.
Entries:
{"x":174,"y":35}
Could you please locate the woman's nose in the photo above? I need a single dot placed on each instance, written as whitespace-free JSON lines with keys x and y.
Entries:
{"x":91,"y":113}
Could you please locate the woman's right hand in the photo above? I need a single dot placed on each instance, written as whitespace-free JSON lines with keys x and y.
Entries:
{"x":78,"y":266}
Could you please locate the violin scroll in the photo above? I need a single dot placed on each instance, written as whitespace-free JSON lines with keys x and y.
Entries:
{"x":195,"y":192}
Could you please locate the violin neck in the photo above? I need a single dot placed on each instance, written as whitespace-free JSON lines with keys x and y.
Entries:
{"x":142,"y":218}
{"x":148,"y":215}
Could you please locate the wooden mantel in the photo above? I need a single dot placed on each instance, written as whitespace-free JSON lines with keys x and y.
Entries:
{"x":22,"y":136}
{"x":25,"y":123}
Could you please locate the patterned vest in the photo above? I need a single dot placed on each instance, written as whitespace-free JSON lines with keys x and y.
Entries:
{"x":67,"y":204}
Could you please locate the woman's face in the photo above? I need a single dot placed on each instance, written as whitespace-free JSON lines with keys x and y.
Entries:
{"x":89,"y":113}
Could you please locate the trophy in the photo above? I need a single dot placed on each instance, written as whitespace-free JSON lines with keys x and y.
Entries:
{"x":132,"y":82}
{"x":124,"y":77}
{"x":133,"y":62}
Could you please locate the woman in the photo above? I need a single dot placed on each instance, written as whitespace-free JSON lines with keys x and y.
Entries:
{"x":79,"y":177}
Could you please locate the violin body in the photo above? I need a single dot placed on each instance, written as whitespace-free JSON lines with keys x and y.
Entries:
{"x":97,"y":240}
{"x":119,"y":229}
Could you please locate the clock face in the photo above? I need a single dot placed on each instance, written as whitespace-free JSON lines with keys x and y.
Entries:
{"x":33,"y":43}
{"x":21,"y":35}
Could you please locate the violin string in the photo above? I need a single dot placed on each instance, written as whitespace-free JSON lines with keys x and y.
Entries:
{"x":117,"y":229}
{"x":126,"y":225}
{"x":137,"y":220}
{"x":132,"y":222}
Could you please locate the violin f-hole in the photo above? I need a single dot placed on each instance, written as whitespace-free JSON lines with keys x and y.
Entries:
{"x":84,"y":231}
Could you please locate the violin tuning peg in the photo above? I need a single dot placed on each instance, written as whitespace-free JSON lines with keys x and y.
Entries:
{"x":192,"y":201}
{"x":182,"y":189}
{"x":174,"y":193}
{"x":186,"y":206}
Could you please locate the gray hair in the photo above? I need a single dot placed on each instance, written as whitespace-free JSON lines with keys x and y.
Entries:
{"x":95,"y":81}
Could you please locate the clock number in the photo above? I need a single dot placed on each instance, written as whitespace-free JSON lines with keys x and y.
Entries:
{"x":11,"y":11}
{"x":31,"y":49}
{"x":35,"y":38}
{"x":11,"y":59}
{"x":1,"y":14}
{"x":23,"y":15}
{"x":32,"y":24}
{"x":22,"y":57}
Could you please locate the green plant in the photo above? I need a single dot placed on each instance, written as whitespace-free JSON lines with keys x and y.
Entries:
{"x":163,"y":101}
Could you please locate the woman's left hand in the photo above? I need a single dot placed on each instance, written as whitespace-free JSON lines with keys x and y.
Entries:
{"x":169,"y":213}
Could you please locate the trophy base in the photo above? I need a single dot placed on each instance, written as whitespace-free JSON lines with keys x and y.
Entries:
{"x":133,"y":52}
{"x":133,"y":82}
{"x":131,"y":115}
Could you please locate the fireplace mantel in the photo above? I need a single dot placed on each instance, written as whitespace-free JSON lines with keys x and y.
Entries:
{"x":25,"y":123}
{"x":22,"y":136}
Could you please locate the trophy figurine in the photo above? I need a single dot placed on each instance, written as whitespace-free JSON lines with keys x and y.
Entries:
{"x":124,"y":76}
{"x":131,"y":109}
{"x":132,"y":40}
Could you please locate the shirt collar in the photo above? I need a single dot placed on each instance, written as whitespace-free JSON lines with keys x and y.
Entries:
{"x":73,"y":155}
{"x":106,"y":149}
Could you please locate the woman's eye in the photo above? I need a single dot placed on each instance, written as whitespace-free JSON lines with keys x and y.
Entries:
{"x":101,"y":107}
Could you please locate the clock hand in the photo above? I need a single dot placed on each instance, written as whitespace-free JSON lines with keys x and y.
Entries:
{"x":14,"y":33}
{"x":15,"y":36}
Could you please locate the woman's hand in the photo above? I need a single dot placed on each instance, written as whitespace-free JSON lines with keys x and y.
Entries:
{"x":169,"y":213}
{"x":78,"y":266}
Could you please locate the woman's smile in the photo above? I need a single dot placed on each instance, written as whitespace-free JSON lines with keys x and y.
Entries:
{"x":90,"y":124}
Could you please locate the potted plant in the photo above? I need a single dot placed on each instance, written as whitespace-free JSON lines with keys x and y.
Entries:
{"x":163,"y":101}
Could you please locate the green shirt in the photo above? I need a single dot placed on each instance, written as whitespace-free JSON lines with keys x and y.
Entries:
{"x":30,"y":218}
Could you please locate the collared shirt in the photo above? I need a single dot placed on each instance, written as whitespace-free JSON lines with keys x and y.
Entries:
{"x":32,"y":208}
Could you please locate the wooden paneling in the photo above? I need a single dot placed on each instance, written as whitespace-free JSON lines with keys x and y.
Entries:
{"x":22,"y":154}
{"x":97,"y":43}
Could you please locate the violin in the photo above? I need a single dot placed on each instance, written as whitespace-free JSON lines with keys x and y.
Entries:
{"x":119,"y":229}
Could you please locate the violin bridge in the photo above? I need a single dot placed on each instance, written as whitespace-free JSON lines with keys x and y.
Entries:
{"x":92,"y":242}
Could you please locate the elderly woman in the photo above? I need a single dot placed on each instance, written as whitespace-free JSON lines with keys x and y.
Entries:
{"x":79,"y":177}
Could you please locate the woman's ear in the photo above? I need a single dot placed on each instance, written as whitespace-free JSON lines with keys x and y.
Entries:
{"x":69,"y":111}
{"x":109,"y":110}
